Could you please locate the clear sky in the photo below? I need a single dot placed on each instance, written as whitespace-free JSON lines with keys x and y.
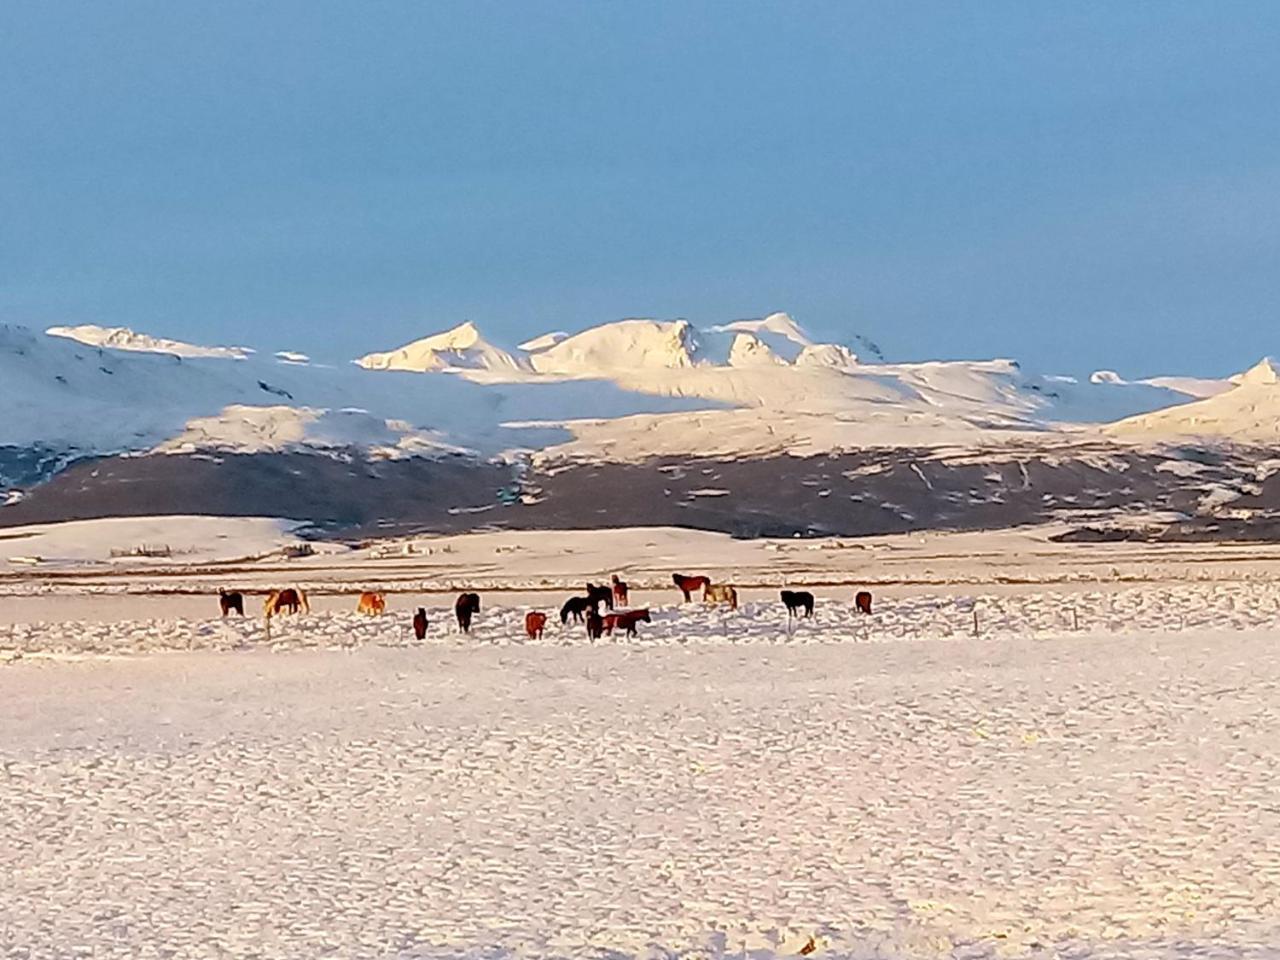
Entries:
{"x":1071,"y":184}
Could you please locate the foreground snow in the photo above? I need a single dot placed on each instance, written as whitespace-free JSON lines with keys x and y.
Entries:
{"x":1071,"y":797}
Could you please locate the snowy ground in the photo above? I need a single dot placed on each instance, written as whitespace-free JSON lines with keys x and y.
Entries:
{"x":1080,"y":796}
{"x":1091,"y":775}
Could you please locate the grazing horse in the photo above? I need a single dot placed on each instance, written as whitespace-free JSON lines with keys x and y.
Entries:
{"x":420,"y":624}
{"x":620,"y":590}
{"x":688,"y":585}
{"x":466,"y":605}
{"x":231,"y":601}
{"x":625,"y":621}
{"x":595,"y":624}
{"x":598,"y":595}
{"x":371,"y":603}
{"x":534,"y":621}
{"x":863,"y":600}
{"x":288,"y":600}
{"x":720,"y":593}
{"x":796,"y":600}
{"x":575,"y":607}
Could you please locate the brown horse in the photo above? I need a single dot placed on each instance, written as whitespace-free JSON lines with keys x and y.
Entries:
{"x":466,"y":606}
{"x":620,"y":590}
{"x":420,"y":624}
{"x":534,"y":621}
{"x":715,"y":593}
{"x":371,"y":603}
{"x":688,"y":585}
{"x":863,"y":600}
{"x":231,"y":601}
{"x":288,"y":600}
{"x":625,"y":621}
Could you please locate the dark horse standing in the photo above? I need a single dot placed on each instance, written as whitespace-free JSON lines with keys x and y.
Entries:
{"x":575,"y":607}
{"x":467,"y":605}
{"x":420,"y":624}
{"x":595,"y":624}
{"x":231,"y":601}
{"x":797,"y":600}
{"x":598,"y":595}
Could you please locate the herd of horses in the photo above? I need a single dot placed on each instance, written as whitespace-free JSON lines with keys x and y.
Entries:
{"x":584,"y":609}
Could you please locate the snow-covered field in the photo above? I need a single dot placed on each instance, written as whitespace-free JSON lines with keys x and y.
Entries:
{"x":1071,"y":797}
{"x":1085,"y":769}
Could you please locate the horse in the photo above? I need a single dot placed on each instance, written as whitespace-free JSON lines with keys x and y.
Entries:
{"x":863,"y":600}
{"x":620,"y":590}
{"x":371,"y":603}
{"x":688,"y":585}
{"x":231,"y":601}
{"x":796,"y":600}
{"x":534,"y":621}
{"x":420,"y":624}
{"x":288,"y":600}
{"x":720,"y":593}
{"x":598,"y":595}
{"x":625,"y":621}
{"x":466,"y":605}
{"x":595,"y":624}
{"x":575,"y":607}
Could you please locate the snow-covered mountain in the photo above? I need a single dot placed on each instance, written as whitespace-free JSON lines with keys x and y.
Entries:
{"x":122,"y":338}
{"x":1246,"y":412}
{"x":459,"y":349}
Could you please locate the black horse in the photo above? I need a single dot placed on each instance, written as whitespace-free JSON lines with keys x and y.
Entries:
{"x":575,"y":607}
{"x":467,"y":605}
{"x":598,"y":595}
{"x":231,"y":601}
{"x":797,"y":600}
{"x":420,"y":624}
{"x":595,"y":624}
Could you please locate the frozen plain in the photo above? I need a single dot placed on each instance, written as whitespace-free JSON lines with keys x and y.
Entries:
{"x":181,"y":787}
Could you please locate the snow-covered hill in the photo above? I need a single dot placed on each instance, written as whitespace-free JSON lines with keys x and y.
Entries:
{"x":122,"y":338}
{"x":461,"y":348}
{"x":1248,"y":412}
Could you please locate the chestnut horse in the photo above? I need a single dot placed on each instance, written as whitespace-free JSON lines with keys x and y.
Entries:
{"x":797,"y":600}
{"x":720,"y":593}
{"x":420,"y":624}
{"x":625,"y":621}
{"x":863,"y":600}
{"x":467,"y":605}
{"x":288,"y":600}
{"x":688,"y":585}
{"x":534,"y":621}
{"x":230,"y":601}
{"x":620,"y":590}
{"x":371,"y":603}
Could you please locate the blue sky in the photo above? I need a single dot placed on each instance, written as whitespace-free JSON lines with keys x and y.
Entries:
{"x":1074,"y":185}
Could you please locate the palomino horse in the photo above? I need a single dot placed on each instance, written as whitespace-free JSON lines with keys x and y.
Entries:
{"x":863,"y":600}
{"x":467,"y":605}
{"x":720,"y":593}
{"x":620,"y":591}
{"x":625,"y":621}
{"x":534,"y":621}
{"x":420,"y":624}
{"x":231,"y":601}
{"x":688,"y":585}
{"x":797,"y":600}
{"x":371,"y":603}
{"x":288,"y":600}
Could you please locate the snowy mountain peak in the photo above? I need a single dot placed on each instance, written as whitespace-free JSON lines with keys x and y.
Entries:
{"x":777,"y":324}
{"x":123,"y":338}
{"x":1264,"y":372}
{"x":623,"y":345}
{"x":459,"y":348}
